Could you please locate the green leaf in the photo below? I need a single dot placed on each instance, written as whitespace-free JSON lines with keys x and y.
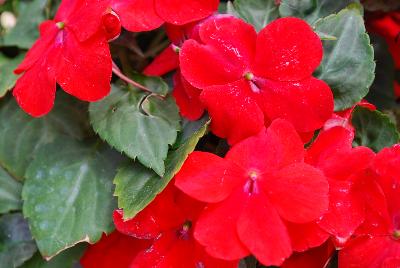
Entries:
{"x":66,"y":259}
{"x":16,"y":243}
{"x":374,"y":129}
{"x":256,"y":12}
{"x":68,"y":194}
{"x":381,"y":92}
{"x":21,"y":135}
{"x":10,"y":192}
{"x":312,"y":10}
{"x":8,"y":78}
{"x":156,"y":84}
{"x":137,"y":186}
{"x":25,"y":32}
{"x":138,"y":125}
{"x":348,"y":65}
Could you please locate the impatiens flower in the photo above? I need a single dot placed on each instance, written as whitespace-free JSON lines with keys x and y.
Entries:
{"x":377,"y":242}
{"x":332,"y":153}
{"x":71,"y":52}
{"x":318,"y":257}
{"x":146,"y":15}
{"x":113,"y":251}
{"x":261,"y":184}
{"x":250,"y":79}
{"x":169,"y":220}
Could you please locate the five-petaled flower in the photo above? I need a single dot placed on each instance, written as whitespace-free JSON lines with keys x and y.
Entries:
{"x":261,"y":184}
{"x":249,"y":79}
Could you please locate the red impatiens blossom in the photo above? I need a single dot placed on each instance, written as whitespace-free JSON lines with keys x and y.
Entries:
{"x":249,"y":79}
{"x":169,"y":221}
{"x":377,"y":241}
{"x":72,"y":51}
{"x":261,"y":184}
{"x":113,"y":251}
{"x":332,"y":153}
{"x":146,"y":15}
{"x":318,"y":257}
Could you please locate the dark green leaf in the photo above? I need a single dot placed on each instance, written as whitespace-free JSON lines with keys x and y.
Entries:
{"x":8,"y":78}
{"x":154,"y":83}
{"x":256,"y":12}
{"x":68,"y":194}
{"x":374,"y":129}
{"x":10,"y":192}
{"x":24,"y":34}
{"x":137,"y":186}
{"x":312,"y":10}
{"x":16,"y":243}
{"x":348,"y":65}
{"x":66,"y":259}
{"x":141,"y":126}
{"x":21,"y":135}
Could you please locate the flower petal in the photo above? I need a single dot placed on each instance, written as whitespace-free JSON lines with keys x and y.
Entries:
{"x":306,"y":235}
{"x":307,"y":104}
{"x":182,"y":12}
{"x":273,"y":149}
{"x":137,"y":15}
{"x":76,"y":73}
{"x":299,"y":192}
{"x":165,"y":62}
{"x":287,"y":50}
{"x":207,"y":177}
{"x":216,"y":228}
{"x":234,"y":114}
{"x":36,"y":98}
{"x":314,"y":258}
{"x":259,"y":224}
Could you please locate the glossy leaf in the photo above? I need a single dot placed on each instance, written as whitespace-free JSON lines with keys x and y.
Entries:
{"x":256,"y":12}
{"x":348,"y":65}
{"x":68,"y":194}
{"x":8,"y":78}
{"x":141,"y":126}
{"x":374,"y":129}
{"x":137,"y":186}
{"x":10,"y":192}
{"x":311,"y":10}
{"x":22,"y":135}
{"x":16,"y":243}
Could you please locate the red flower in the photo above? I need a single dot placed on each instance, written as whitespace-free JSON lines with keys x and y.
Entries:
{"x":115,"y":250}
{"x":169,"y":220}
{"x":377,"y":242}
{"x":146,"y":15}
{"x":72,"y":51}
{"x":249,"y":79}
{"x":261,"y":183}
{"x":318,"y":257}
{"x":332,"y":153}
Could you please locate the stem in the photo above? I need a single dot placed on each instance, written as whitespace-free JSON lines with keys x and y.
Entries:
{"x":123,"y":77}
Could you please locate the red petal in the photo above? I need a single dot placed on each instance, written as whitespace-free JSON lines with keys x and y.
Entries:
{"x":216,"y":228}
{"x":307,"y":104}
{"x":40,"y":48}
{"x":287,"y":50}
{"x":229,"y":44}
{"x":306,"y":235}
{"x":391,"y":263}
{"x":262,"y":231}
{"x":207,"y":177}
{"x":313,"y":258}
{"x":35,"y":89}
{"x":235,"y":115}
{"x":76,"y":73}
{"x":165,"y":62}
{"x":275,"y":148}
{"x":137,"y":15}
{"x":299,"y":192}
{"x":187,"y":98}
{"x":115,"y":250}
{"x":346,"y":211}
{"x":182,"y":12}
{"x":371,"y":252}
